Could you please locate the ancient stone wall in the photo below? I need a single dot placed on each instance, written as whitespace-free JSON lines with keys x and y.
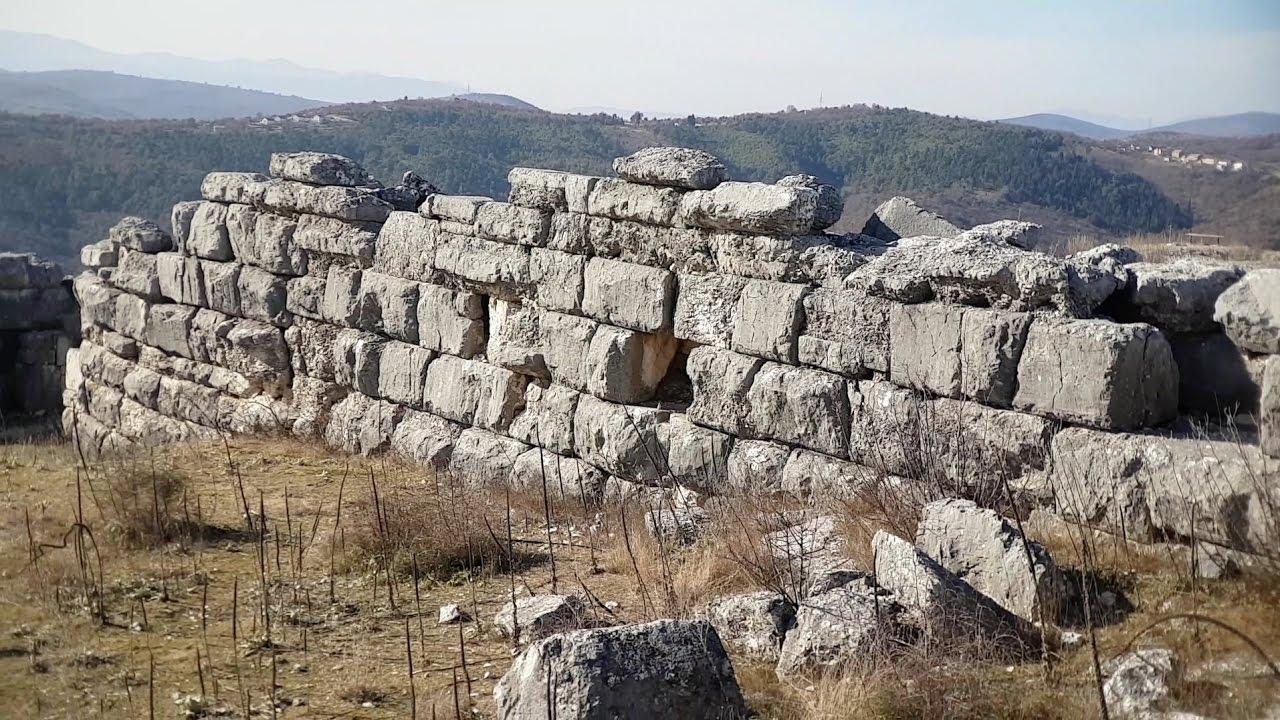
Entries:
{"x":670,"y":326}
{"x":38,"y":324}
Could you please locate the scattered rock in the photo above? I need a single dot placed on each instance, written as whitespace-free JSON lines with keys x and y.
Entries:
{"x":1141,"y":682}
{"x":811,"y":556}
{"x":1249,"y":311}
{"x":755,"y":623}
{"x":900,"y":217}
{"x":538,"y":616}
{"x":451,"y":613}
{"x":839,"y":626}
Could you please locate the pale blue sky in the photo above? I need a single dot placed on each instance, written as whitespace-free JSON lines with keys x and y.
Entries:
{"x":1136,"y":61}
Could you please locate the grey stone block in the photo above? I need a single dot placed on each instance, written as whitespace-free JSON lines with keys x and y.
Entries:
{"x":626,"y":366}
{"x":721,"y":380}
{"x":557,"y":278}
{"x":451,"y":321}
{"x":209,"y":238}
{"x":631,"y":296}
{"x":672,"y":166}
{"x":623,"y":440}
{"x":426,"y":439}
{"x":1249,"y":311}
{"x":768,"y":320}
{"x":800,"y":406}
{"x":139,"y":234}
{"x":752,"y":208}
{"x":389,"y":306}
{"x":406,"y":247}
{"x":137,"y":274}
{"x":497,"y":269}
{"x":341,"y":305}
{"x":402,"y":373}
{"x":169,"y":327}
{"x":231,"y":187}
{"x":355,"y":240}
{"x":622,"y":200}
{"x":474,"y":393}
{"x":319,"y":169}
{"x":455,"y":208}
{"x":704,"y":309}
{"x":509,"y":223}
{"x":263,"y":296}
{"x":221,"y":282}
{"x":547,"y":418}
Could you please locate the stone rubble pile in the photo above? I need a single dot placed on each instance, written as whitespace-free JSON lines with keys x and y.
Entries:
{"x":38,"y":325}
{"x":670,"y":326}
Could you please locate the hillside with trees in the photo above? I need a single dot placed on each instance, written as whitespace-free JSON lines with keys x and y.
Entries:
{"x":64,"y":181}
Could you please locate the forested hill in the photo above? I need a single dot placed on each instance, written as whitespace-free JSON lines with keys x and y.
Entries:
{"x":63,"y":181}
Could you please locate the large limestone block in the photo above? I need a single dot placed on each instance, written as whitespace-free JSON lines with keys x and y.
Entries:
{"x":484,"y":459}
{"x":557,"y":278}
{"x":515,"y":338}
{"x":138,"y":274}
{"x":550,"y":189}
{"x":139,"y":234}
{"x":571,"y":232}
{"x":820,"y":259}
{"x":547,"y":418}
{"x":331,"y":236}
{"x":800,"y":406}
{"x":675,"y":249}
{"x":263,"y":296}
{"x":1178,"y":296}
{"x":103,"y":253}
{"x":221,"y":284}
{"x":1249,"y":311}
{"x":673,"y":166}
{"x":627,"y":295}
{"x":755,"y":467}
{"x":310,"y":345}
{"x":454,"y":208}
{"x":230,"y":187}
{"x":269,"y":244}
{"x":356,"y":359}
{"x":567,"y":479}
{"x":402,"y":373}
{"x":705,"y":306}
{"x":150,"y":428}
{"x":389,"y":306}
{"x":567,"y":339}
{"x":768,"y":319}
{"x":344,"y":203}
{"x":495,"y":268}
{"x":846,"y":332}
{"x":304,"y":297}
{"x":721,"y":380}
{"x":450,"y":321}
{"x":131,"y":316}
{"x":812,"y":474}
{"x":1144,"y":684}
{"x":752,"y":208}
{"x":20,"y":271}
{"x":188,"y":401}
{"x":180,"y":223}
{"x":900,"y":217}
{"x":180,"y":278}
{"x":209,"y":238}
{"x":1269,"y":415}
{"x":253,"y":349}
{"x":341,"y":304}
{"x":830,"y":204}
{"x":313,"y":401}
{"x":474,"y":393}
{"x":991,"y":345}
{"x":509,"y":223}
{"x":425,"y":439}
{"x":406,"y":247}
{"x":622,"y":200}
{"x":840,"y":627}
{"x":360,"y":424}
{"x":219,"y":378}
{"x":319,"y":169}
{"x":987,"y":551}
{"x":661,"y":670}
{"x":169,"y":327}
{"x":955,"y":351}
{"x":697,"y":457}
{"x":97,"y":300}
{"x":1098,"y":373}
{"x":626,"y":366}
{"x":622,"y":439}
{"x":753,"y":623}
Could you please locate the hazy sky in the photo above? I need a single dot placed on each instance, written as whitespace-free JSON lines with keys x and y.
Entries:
{"x":1162,"y":61}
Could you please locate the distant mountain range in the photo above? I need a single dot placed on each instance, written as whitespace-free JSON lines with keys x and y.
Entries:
{"x":1249,"y":124}
{"x":111,"y":96}
{"x":35,"y":52}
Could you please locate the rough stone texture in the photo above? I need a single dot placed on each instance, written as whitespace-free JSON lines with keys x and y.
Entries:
{"x":1097,"y":373}
{"x":319,"y":169}
{"x":753,"y":623}
{"x":955,"y":351}
{"x":1215,"y":377}
{"x":1018,"y":233}
{"x":230,"y":187}
{"x":830,"y":204}
{"x":331,"y":236}
{"x":846,"y":332}
{"x":304,"y":297}
{"x":704,"y":308}
{"x":103,"y":253}
{"x":313,"y":401}
{"x":456,"y":208}
{"x":450,"y":321}
{"x":209,"y":238}
{"x":180,"y":223}
{"x":1142,"y":683}
{"x":663,"y":670}
{"x":987,"y":551}
{"x":139,"y":234}
{"x":547,"y":418}
{"x":804,"y":407}
{"x":362,"y":424}
{"x":168,"y":328}
{"x":181,"y":279}
{"x":425,"y":439}
{"x":631,"y":296}
{"x":755,"y":466}
{"x":269,"y":244}
{"x":567,"y":340}
{"x":626,"y":366}
{"x":402,"y":373}
{"x":473,"y":393}
{"x":821,"y":259}
{"x":672,"y":166}
{"x":137,"y":274}
{"x":696,"y":457}
{"x":389,"y":306}
{"x":813,"y":474}
{"x":768,"y":319}
{"x":406,"y":246}
{"x":483,"y":458}
{"x":221,"y":284}
{"x":1178,"y":296}
{"x":538,"y":616}
{"x":900,"y":217}
{"x":675,"y":249}
{"x":509,"y":223}
{"x":624,"y":440}
{"x":558,"y":279}
{"x":262,"y":296}
{"x":991,"y":345}
{"x":1269,"y":415}
{"x":677,"y":520}
{"x":494,"y":268}
{"x":621,"y":200}
{"x":1249,"y":311}
{"x":751,"y":208}
{"x":344,"y":203}
{"x":721,"y":380}
{"x":568,"y":479}
{"x":838,"y":627}
{"x":341,"y":303}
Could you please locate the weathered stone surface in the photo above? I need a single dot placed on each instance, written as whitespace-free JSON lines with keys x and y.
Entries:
{"x":704,"y":309}
{"x":483,"y":458}
{"x":991,"y":344}
{"x":768,"y":319}
{"x":900,"y":217}
{"x":311,"y":348}
{"x":752,"y":208}
{"x":755,"y":466}
{"x":547,"y":418}
{"x":313,"y":401}
{"x":987,"y":551}
{"x":675,"y":249}
{"x":455,"y":208}
{"x":304,"y":297}
{"x":1097,"y":373}
{"x":830,"y":204}
{"x":356,"y":358}
{"x":624,"y":440}
{"x":180,"y":223}
{"x":131,"y":316}
{"x":549,"y":189}
{"x":538,"y":616}
{"x":515,"y":338}
{"x":137,"y":274}
{"x":557,"y":278}
{"x":497,"y":269}
{"x":473,"y":393}
{"x":230,"y":187}
{"x":663,"y":670}
{"x":168,"y":328}
{"x":25,"y":270}
{"x":622,"y":200}
{"x":570,"y":232}
{"x":696,"y":457}
{"x":100,"y":254}
{"x":262,"y":296}
{"x":822,"y":259}
{"x":139,"y":234}
{"x":331,"y":236}
{"x":941,"y":605}
{"x":1018,"y":233}
{"x":1215,"y":377}
{"x":209,"y":238}
{"x":626,"y":366}
{"x":839,"y":627}
{"x":402,"y":373}
{"x":344,"y":203}
{"x":955,"y":351}
{"x":1143,"y":683}
{"x":753,"y":623}
{"x":672,"y":166}
{"x":269,"y":244}
{"x":509,"y":223}
{"x":406,"y":247}
{"x":568,"y":479}
{"x":188,"y":401}
{"x":253,"y":349}
{"x":389,"y":306}
{"x":804,"y":407}
{"x":808,"y":474}
{"x":221,"y":284}
{"x":180,"y":278}
{"x":319,"y":169}
{"x":567,"y":340}
{"x":1177,"y":296}
{"x":362,"y":424}
{"x":1269,"y":409}
{"x":631,"y":296}
{"x":721,"y":380}
{"x":425,"y":439}
{"x":450,"y":321}
{"x":1249,"y":311}
{"x":846,"y":332}
{"x":341,"y":304}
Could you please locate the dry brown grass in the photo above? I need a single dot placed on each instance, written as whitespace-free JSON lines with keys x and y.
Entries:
{"x":1170,"y":245}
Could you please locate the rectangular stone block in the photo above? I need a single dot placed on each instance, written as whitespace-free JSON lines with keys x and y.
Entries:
{"x":269,"y":244}
{"x":311,"y":348}
{"x":721,"y":380}
{"x":991,"y":346}
{"x":451,"y":321}
{"x":705,"y":306}
{"x":751,"y":207}
{"x":570,"y":232}
{"x":406,"y":247}
{"x":473,"y":393}
{"x":230,"y":187}
{"x":341,"y":304}
{"x":557,"y":278}
{"x":180,"y":278}
{"x":221,"y":282}
{"x":103,"y":253}
{"x":1099,"y":373}
{"x":756,"y":466}
{"x":331,"y":236}
{"x":305,"y":297}
{"x":209,"y":238}
{"x":169,"y":328}
{"x":344,"y":203}
{"x":188,"y":401}
{"x":626,"y":366}
{"x":812,"y":474}
{"x":138,"y":274}
{"x":697,"y":457}
{"x":820,"y":259}
{"x":425,"y":439}
{"x":547,"y":418}
{"x":631,"y":296}
{"x":768,"y":320}
{"x":925,"y":343}
{"x":143,"y":385}
{"x":484,"y":459}
{"x":515,"y":338}
{"x":360,"y":424}
{"x":624,"y":440}
{"x":131,"y":316}
{"x":497,"y":269}
{"x":97,"y":300}
{"x":402,"y":373}
{"x":263,"y":296}
{"x":389,"y":306}
{"x":799,"y":406}
{"x":677,"y":249}
{"x":454,"y":208}
{"x":567,"y":479}
{"x":509,"y":223}
{"x":550,"y":189}
{"x":356,"y":360}
{"x":180,"y":223}
{"x":566,"y":342}
{"x":620,"y":200}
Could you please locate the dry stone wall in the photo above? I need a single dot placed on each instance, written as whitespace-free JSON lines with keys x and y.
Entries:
{"x":38,"y":324}
{"x":668,"y":326}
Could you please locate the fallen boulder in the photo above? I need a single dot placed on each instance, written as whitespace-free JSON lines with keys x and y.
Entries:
{"x":537,"y":616}
{"x":838,"y":626}
{"x":755,"y":623}
{"x":1141,"y":682}
{"x":900,"y":217}
{"x":1249,"y":311}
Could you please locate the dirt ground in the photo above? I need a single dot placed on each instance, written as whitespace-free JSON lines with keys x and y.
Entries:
{"x":147,"y":627}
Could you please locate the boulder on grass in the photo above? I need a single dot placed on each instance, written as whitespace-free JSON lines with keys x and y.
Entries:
{"x":1141,"y":684}
{"x":537,"y":616}
{"x":754,"y":623}
{"x":839,"y":626}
